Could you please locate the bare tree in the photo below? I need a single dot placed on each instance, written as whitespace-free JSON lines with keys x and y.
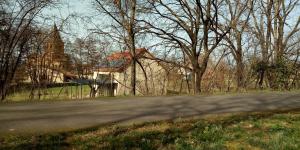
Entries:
{"x":17,"y":19}
{"x":191,"y":26}
{"x":124,"y":14}
{"x":274,"y":29}
{"x":239,"y":16}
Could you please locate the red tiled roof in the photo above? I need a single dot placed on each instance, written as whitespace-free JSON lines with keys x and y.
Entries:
{"x":121,"y":60}
{"x":126,"y":54}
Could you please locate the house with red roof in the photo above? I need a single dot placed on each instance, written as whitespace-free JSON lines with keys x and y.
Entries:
{"x":113,"y":75}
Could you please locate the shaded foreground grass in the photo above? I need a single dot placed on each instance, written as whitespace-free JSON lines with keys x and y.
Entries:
{"x":265,"y":130}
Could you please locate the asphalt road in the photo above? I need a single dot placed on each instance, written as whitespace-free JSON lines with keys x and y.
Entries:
{"x":71,"y":115}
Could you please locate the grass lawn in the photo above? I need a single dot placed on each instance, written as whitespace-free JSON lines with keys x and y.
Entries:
{"x":64,"y":93}
{"x":268,"y":130}
{"x":57,"y":93}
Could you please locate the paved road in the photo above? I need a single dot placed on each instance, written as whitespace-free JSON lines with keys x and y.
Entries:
{"x":70,"y":115}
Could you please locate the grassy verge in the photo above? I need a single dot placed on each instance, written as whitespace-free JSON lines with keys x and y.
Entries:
{"x":57,"y":93}
{"x":63,"y":94}
{"x":249,"y":91}
{"x":268,"y":130}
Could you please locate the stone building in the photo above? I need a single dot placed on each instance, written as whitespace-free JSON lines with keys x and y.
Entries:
{"x":52,"y":65}
{"x":54,"y":53}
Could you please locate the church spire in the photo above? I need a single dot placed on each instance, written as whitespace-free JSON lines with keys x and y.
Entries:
{"x":55,"y":27}
{"x":55,"y":43}
{"x":55,"y":33}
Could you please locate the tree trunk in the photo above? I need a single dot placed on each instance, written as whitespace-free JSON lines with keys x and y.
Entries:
{"x":133,"y":77}
{"x":2,"y":91}
{"x":261,"y":78}
{"x":198,"y":73}
{"x":197,"y":80}
{"x":131,"y":46}
{"x":133,"y":65}
{"x":239,"y":62}
{"x":239,"y":71}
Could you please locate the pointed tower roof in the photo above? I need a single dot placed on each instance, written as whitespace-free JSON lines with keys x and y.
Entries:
{"x":55,"y":27}
{"x":54,"y":43}
{"x":55,"y":34}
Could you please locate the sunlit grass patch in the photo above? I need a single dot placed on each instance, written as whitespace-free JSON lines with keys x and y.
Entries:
{"x":58,"y":93}
{"x":239,"y":131}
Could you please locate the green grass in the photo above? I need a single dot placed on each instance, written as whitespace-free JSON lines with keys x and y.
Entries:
{"x":234,"y":92}
{"x":268,"y":130}
{"x":57,"y":93}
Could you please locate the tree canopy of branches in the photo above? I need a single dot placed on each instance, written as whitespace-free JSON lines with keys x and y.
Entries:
{"x":193,"y":27}
{"x":238,"y":19}
{"x":273,"y":29}
{"x":16,"y":26}
{"x":124,"y":14}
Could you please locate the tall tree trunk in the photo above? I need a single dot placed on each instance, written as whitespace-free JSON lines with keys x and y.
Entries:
{"x":239,"y":74}
{"x":197,"y":80}
{"x":265,"y":42}
{"x":261,"y":78}
{"x":2,"y":91}
{"x":239,"y":63}
{"x":131,"y":34}
{"x":133,"y":77}
{"x":133,"y":65}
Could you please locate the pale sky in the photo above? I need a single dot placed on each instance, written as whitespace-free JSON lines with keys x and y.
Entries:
{"x":79,"y":27}
{"x":72,"y":26}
